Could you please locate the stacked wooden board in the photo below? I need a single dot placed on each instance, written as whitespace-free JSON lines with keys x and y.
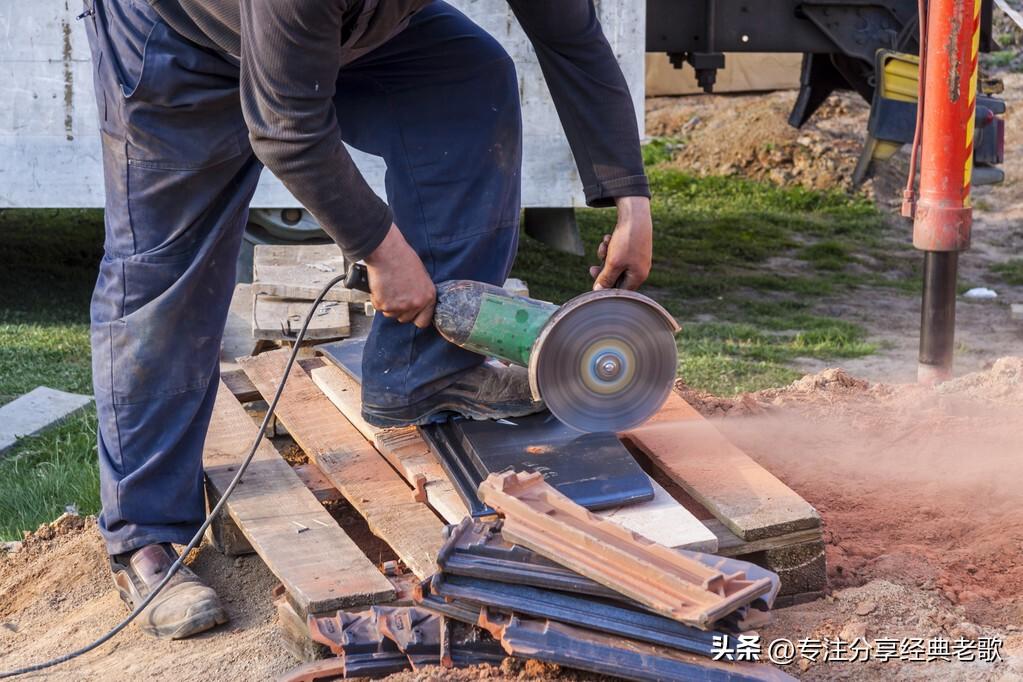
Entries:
{"x":729,"y":504}
{"x":286,"y":279}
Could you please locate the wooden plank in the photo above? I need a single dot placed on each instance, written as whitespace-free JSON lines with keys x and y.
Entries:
{"x":223,"y":533}
{"x":743,"y":495}
{"x":318,"y":483}
{"x":300,"y":271}
{"x":351,"y":463}
{"x":661,"y":519}
{"x":799,"y":559}
{"x":404,"y":448}
{"x":294,"y":633}
{"x":238,"y":383}
{"x":279,"y":319}
{"x":731,"y":545}
{"x":319,"y":565}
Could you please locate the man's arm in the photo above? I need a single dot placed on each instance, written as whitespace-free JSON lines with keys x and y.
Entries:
{"x":595,"y":108}
{"x":291,"y":55}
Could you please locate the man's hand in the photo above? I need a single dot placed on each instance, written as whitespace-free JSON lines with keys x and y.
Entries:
{"x":399,"y":282}
{"x":627,"y":252}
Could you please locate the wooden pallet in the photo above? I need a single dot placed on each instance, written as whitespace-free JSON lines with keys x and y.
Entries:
{"x":713,"y":497}
{"x":351,"y":463}
{"x":319,"y":565}
{"x":300,"y":271}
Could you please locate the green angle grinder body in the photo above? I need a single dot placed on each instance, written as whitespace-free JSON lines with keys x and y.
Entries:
{"x":603,"y":361}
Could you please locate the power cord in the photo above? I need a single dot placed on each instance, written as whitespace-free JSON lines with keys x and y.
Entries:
{"x":197,"y":538}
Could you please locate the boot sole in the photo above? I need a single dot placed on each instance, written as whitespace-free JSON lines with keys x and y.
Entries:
{"x":401,"y":416}
{"x":194,"y":623}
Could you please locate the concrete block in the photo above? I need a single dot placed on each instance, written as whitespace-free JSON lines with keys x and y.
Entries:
{"x":1017,"y":311}
{"x":802,"y":568}
{"x":35,"y":411}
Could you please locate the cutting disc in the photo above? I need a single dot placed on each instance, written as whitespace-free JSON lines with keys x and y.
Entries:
{"x":605,"y":361}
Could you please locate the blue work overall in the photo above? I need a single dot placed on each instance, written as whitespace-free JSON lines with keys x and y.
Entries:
{"x":438,"y":102}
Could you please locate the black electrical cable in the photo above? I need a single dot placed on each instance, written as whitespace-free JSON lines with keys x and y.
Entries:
{"x":197,"y":538}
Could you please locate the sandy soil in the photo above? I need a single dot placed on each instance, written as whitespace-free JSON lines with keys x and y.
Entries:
{"x":56,"y":594}
{"x":919,"y":492}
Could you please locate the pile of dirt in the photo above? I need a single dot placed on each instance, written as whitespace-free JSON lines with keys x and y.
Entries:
{"x":913,"y":483}
{"x":749,"y":136}
{"x":1002,"y":384}
{"x":56,"y":595}
{"x":884,"y":609}
{"x":918,"y":489}
{"x":712,"y":406}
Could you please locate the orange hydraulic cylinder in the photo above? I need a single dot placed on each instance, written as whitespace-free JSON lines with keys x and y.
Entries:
{"x":943,"y":215}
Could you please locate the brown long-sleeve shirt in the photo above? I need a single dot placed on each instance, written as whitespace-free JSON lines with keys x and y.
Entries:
{"x":290,"y":52}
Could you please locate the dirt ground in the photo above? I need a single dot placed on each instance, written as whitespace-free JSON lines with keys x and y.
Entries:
{"x":919,"y":492}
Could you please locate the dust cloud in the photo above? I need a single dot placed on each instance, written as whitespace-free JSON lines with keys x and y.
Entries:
{"x":919,"y":484}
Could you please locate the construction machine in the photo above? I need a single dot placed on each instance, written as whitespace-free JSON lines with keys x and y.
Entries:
{"x":916,"y":62}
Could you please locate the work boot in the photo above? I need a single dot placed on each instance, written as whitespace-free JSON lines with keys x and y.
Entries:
{"x":185,"y":607}
{"x":489,"y":391}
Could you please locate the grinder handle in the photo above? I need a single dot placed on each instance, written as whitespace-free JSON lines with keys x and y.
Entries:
{"x":357,"y":277}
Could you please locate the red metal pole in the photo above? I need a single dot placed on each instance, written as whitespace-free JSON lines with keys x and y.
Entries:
{"x":943,"y":215}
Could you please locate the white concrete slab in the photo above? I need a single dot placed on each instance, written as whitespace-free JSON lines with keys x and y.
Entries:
{"x":664,"y":520}
{"x":35,"y":411}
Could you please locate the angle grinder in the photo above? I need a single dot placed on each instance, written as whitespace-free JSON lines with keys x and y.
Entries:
{"x":603,"y":361}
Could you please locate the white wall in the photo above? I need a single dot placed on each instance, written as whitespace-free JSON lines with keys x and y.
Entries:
{"x":49,"y":142}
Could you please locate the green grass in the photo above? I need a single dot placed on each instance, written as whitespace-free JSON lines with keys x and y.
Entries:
{"x":829,"y":254}
{"x":1004,"y":59}
{"x":1010,"y":272}
{"x":49,"y":473}
{"x":1001,"y":58}
{"x":724,"y":374}
{"x":714,"y":238}
{"x":659,"y":150}
{"x":50,"y":260}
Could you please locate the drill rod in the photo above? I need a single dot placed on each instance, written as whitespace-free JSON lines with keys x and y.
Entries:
{"x":938,"y":316}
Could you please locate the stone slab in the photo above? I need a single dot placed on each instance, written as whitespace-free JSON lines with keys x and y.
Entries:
{"x":35,"y":411}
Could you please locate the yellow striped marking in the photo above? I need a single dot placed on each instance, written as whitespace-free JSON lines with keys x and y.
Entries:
{"x":972,"y":106}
